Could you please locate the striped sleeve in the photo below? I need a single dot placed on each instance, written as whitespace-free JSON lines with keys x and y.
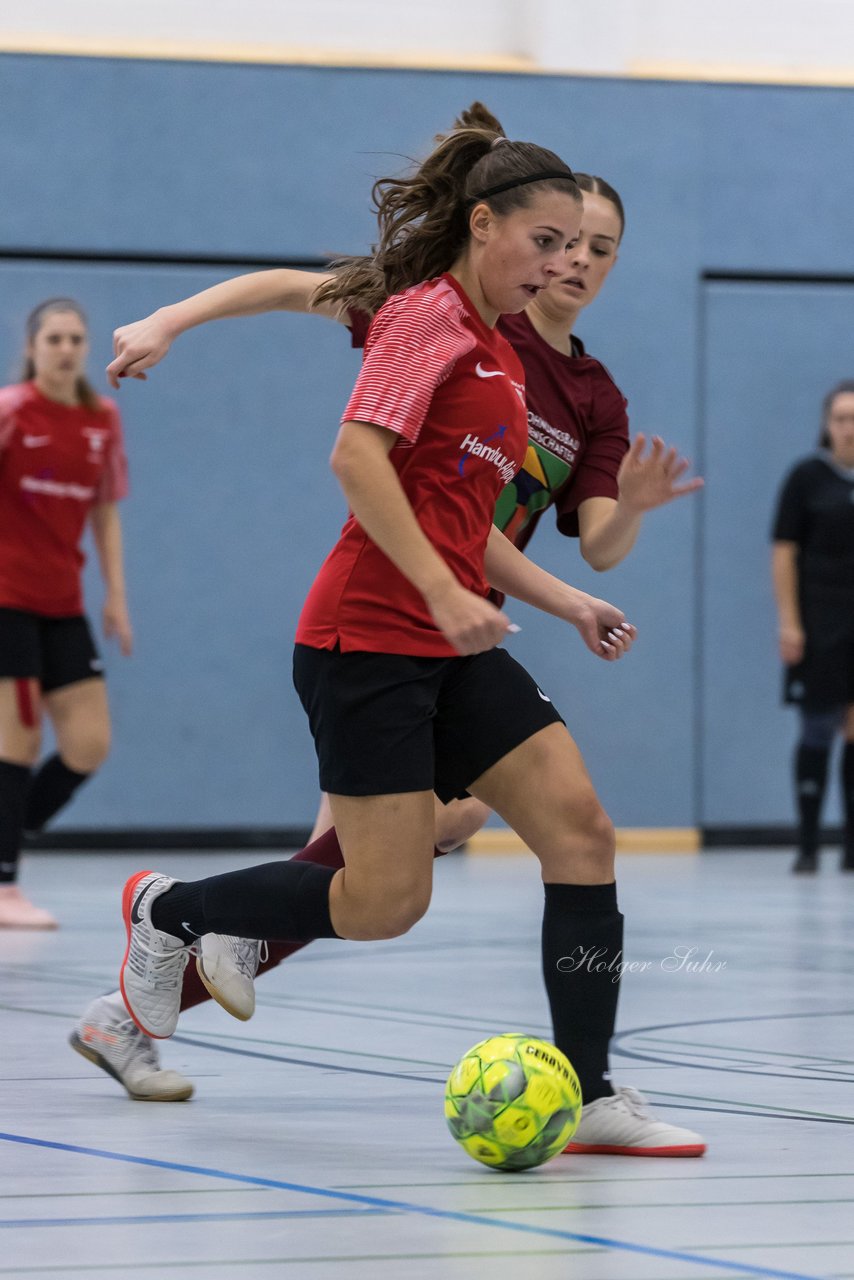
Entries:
{"x":9,"y":400}
{"x":113,"y":485}
{"x":412,"y":347}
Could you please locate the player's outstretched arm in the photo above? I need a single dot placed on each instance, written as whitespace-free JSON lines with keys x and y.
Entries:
{"x":602,"y":626}
{"x":608,"y":527}
{"x":144,"y":343}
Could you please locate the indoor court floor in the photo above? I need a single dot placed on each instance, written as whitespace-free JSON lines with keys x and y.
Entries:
{"x":315,"y":1145}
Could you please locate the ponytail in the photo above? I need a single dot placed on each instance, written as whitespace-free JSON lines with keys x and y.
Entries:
{"x":423,"y":219}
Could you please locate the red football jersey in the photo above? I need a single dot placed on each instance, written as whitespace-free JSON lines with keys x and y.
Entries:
{"x":453,"y":390}
{"x":578,"y":431}
{"x":56,"y":463}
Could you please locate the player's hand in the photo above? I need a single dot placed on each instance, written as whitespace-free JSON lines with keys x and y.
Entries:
{"x":604,"y":629}
{"x":649,"y":480}
{"x":116,"y":623}
{"x":468,"y":622}
{"x":792,"y":645}
{"x":137,"y":347}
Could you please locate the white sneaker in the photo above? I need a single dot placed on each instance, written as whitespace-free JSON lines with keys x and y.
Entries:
{"x":115,"y":1044}
{"x":227,"y":967}
{"x":623,"y":1126}
{"x":152,"y":972}
{"x":17,"y":912}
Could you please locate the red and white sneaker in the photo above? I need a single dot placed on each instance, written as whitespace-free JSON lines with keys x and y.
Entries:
{"x":622,"y":1125}
{"x":17,"y":912}
{"x":152,"y":972}
{"x":109,"y":1038}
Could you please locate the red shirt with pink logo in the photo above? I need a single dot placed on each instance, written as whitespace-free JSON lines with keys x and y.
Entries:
{"x":56,"y":463}
{"x":452,"y":390}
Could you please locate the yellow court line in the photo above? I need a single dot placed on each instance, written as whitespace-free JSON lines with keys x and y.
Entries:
{"x":280,"y":55}
{"x":629,"y":840}
{"x":168,"y":50}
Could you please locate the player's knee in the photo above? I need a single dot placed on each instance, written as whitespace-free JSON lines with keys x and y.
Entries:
{"x":23,"y":747}
{"x":398,"y":916}
{"x":87,"y":751}
{"x":589,"y":843}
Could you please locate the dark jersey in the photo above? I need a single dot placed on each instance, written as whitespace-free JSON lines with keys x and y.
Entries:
{"x":816,"y":511}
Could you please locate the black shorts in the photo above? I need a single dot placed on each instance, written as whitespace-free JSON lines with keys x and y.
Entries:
{"x":55,"y":651}
{"x":385,"y":723}
{"x":824,"y":679}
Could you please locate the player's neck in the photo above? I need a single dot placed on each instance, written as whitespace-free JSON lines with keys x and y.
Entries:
{"x":555,"y":329}
{"x":61,"y":390}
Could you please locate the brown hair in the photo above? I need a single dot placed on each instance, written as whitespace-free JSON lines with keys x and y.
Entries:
{"x":86,"y":393}
{"x":841,"y":388}
{"x":599,"y":187}
{"x":423,"y":219}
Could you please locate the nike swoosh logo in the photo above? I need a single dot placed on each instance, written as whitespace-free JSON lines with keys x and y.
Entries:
{"x":488,"y":373}
{"x":135,"y":912}
{"x":34,"y":442}
{"x":542,"y":695}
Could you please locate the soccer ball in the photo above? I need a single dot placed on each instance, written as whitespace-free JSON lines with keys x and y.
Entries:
{"x":513,"y":1102}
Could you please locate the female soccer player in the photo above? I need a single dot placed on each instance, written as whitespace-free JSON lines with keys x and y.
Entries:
{"x":578,"y":459}
{"x":813,"y":573}
{"x":396,"y":659}
{"x":62,"y":463}
{"x":577,"y":424}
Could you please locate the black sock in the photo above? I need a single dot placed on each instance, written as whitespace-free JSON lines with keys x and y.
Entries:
{"x":582,"y":959}
{"x":14,"y":785}
{"x":274,"y":900}
{"x":810,"y":782}
{"x":848,"y":800}
{"x":53,"y":786}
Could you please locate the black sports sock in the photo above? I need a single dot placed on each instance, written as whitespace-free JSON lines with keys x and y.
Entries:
{"x":847,"y":778}
{"x":52,"y":787}
{"x":273,"y":900}
{"x":810,"y":783}
{"x":582,"y":966}
{"x":14,"y":785}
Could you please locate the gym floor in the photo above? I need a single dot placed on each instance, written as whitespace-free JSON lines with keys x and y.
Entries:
{"x":315,"y":1144}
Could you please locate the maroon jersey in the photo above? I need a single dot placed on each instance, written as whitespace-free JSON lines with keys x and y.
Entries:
{"x":452,"y":389}
{"x":56,"y":463}
{"x":578,"y":431}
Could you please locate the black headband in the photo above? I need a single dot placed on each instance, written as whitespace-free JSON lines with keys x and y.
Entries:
{"x":567,"y":176}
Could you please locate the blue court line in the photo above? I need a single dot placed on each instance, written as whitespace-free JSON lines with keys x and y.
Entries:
{"x":120,"y":1220}
{"x":427,"y":1211}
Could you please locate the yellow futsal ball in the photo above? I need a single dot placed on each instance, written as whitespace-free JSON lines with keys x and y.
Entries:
{"x":513,"y":1102}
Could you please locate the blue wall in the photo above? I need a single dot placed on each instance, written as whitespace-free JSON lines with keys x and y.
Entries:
{"x":233,"y":506}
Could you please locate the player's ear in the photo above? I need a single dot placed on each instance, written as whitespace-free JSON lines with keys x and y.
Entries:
{"x":481,"y":220}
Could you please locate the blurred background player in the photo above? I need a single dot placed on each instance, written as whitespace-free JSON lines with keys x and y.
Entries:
{"x":62,"y":464}
{"x":813,"y":573}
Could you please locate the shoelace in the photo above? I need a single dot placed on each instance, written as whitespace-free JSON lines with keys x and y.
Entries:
{"x":167,"y":967}
{"x":248,"y":954}
{"x":140,"y":1047}
{"x":633,"y":1101}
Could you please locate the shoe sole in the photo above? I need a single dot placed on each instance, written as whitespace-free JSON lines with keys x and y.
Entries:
{"x":127,"y":903}
{"x":594,"y":1149}
{"x":92,"y":1055}
{"x":216,"y":994}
